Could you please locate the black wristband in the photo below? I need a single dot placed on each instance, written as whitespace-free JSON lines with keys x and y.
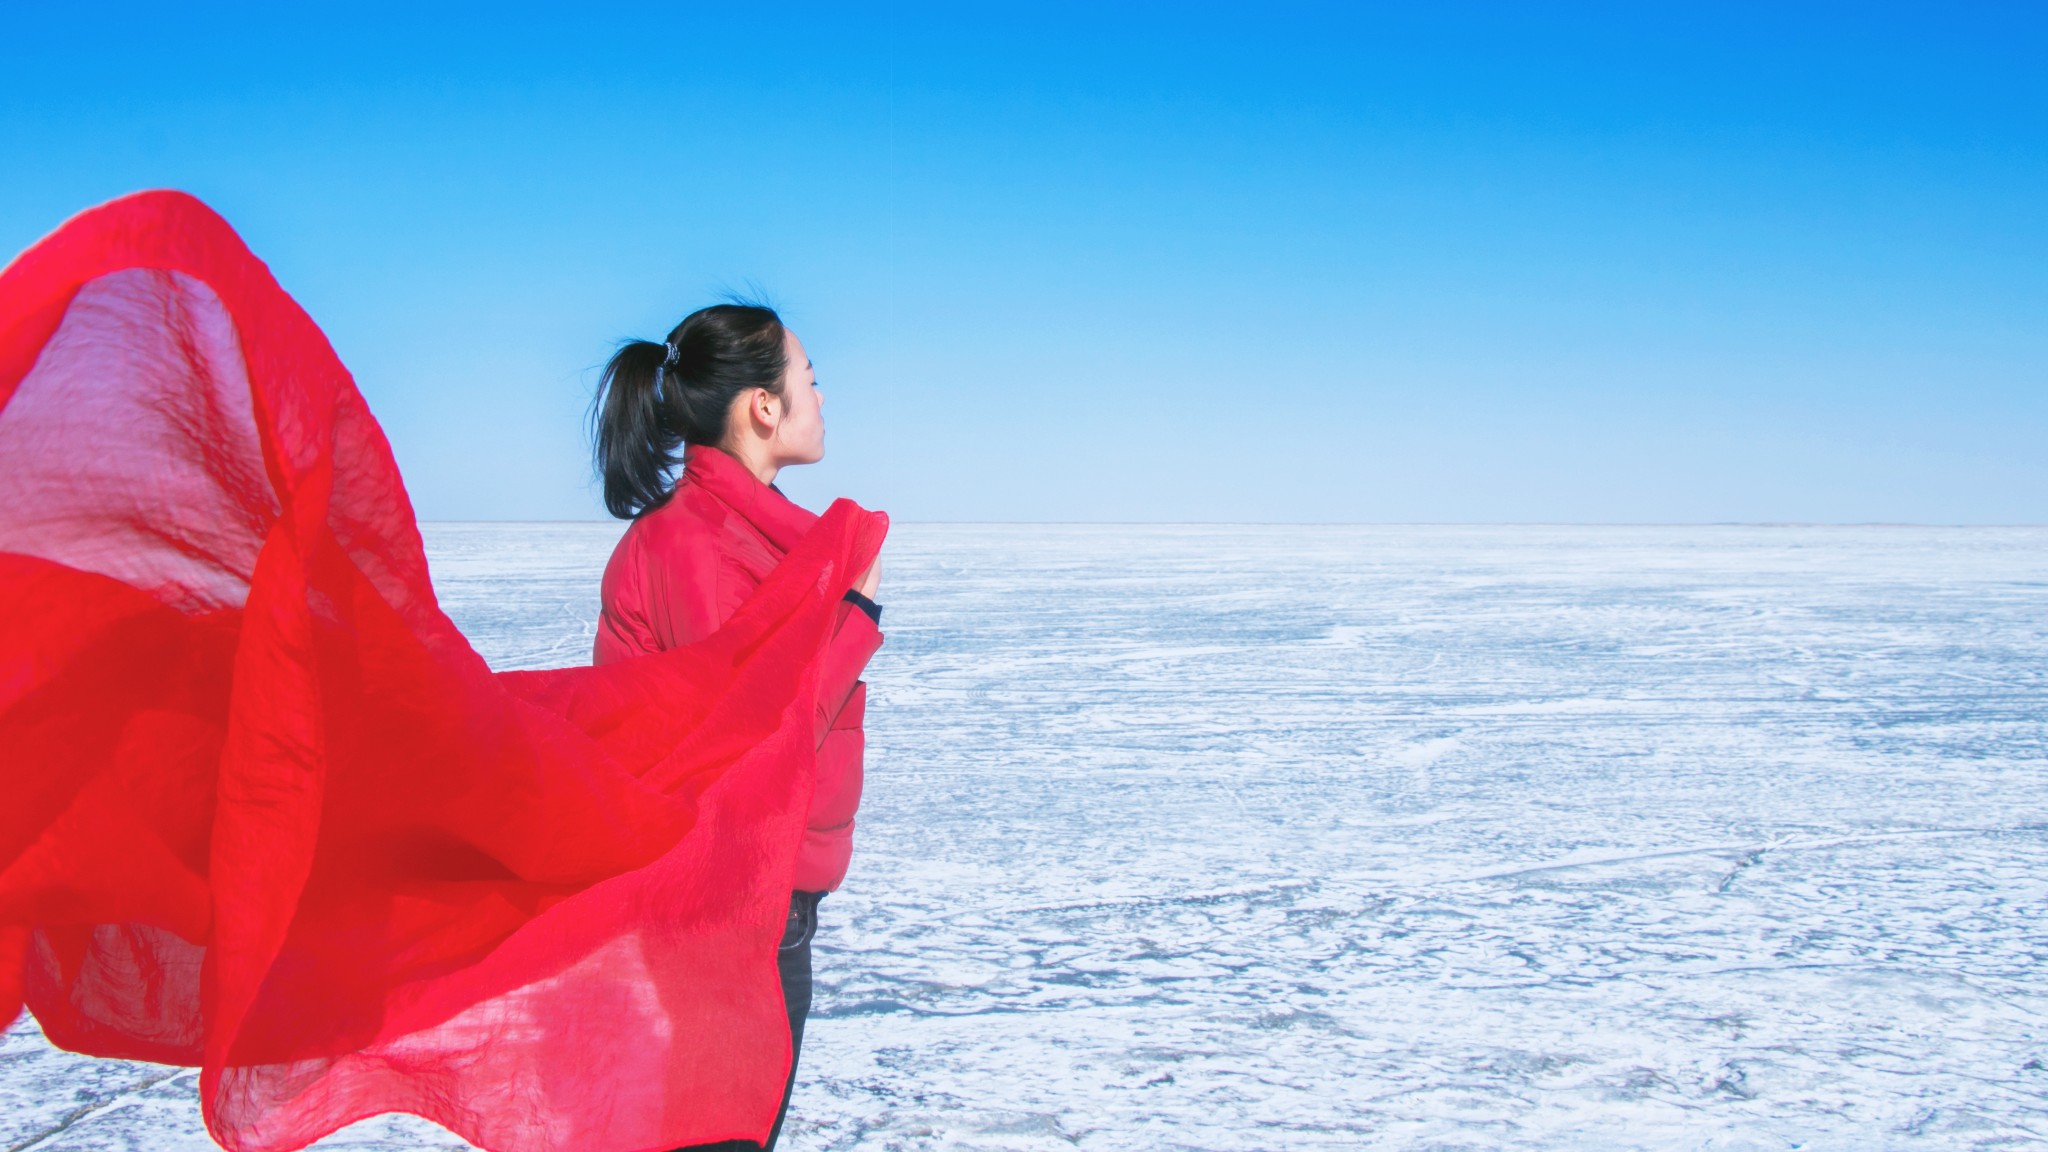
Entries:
{"x":866,"y":605}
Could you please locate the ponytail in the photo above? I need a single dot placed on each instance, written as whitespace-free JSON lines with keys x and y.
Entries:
{"x":654,"y":398}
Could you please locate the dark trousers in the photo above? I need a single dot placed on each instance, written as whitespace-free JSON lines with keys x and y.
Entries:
{"x":793,"y":960}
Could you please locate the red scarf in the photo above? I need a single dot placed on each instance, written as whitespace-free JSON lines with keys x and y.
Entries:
{"x":267,"y":811}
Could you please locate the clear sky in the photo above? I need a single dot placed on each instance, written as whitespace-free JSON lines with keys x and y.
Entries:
{"x":1427,"y":262}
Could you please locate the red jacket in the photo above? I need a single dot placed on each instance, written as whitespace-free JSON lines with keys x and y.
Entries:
{"x":685,"y":567}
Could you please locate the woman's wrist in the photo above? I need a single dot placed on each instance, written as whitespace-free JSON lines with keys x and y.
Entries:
{"x":853,"y":596}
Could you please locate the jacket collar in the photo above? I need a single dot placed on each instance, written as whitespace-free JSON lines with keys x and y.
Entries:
{"x":762,"y":505}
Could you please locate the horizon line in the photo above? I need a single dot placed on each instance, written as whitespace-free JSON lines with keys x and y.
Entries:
{"x":1364,"y":523}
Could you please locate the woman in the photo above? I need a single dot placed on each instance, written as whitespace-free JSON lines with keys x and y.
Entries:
{"x":734,"y":390}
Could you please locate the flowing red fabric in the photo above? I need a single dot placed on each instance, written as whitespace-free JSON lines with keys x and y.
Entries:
{"x":264,"y":810}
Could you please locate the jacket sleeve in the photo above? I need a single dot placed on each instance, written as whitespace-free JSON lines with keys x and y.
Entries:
{"x":853,"y":643}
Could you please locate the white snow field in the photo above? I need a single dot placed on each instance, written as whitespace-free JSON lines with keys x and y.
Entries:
{"x":1201,"y":837}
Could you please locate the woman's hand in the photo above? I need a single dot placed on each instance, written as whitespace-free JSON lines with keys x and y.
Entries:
{"x":870,"y":580}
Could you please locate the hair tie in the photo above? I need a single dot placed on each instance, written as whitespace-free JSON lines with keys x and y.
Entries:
{"x":675,"y":353}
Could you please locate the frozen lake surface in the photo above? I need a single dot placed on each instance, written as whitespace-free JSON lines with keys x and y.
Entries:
{"x":1423,"y":838}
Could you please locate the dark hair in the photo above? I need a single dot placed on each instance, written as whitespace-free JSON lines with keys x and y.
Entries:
{"x":655,"y":398}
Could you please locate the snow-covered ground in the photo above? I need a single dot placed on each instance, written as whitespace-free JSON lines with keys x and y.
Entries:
{"x":1436,"y":838}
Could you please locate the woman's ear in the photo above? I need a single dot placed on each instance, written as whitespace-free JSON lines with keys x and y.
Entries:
{"x":767,"y":408}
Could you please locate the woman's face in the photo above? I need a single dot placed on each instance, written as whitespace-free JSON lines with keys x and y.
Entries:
{"x":799,"y":436}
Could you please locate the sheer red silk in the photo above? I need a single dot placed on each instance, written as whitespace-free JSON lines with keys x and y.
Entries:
{"x":264,"y":810}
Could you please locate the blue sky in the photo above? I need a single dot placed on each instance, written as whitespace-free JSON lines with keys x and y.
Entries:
{"x":1464,"y":262}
